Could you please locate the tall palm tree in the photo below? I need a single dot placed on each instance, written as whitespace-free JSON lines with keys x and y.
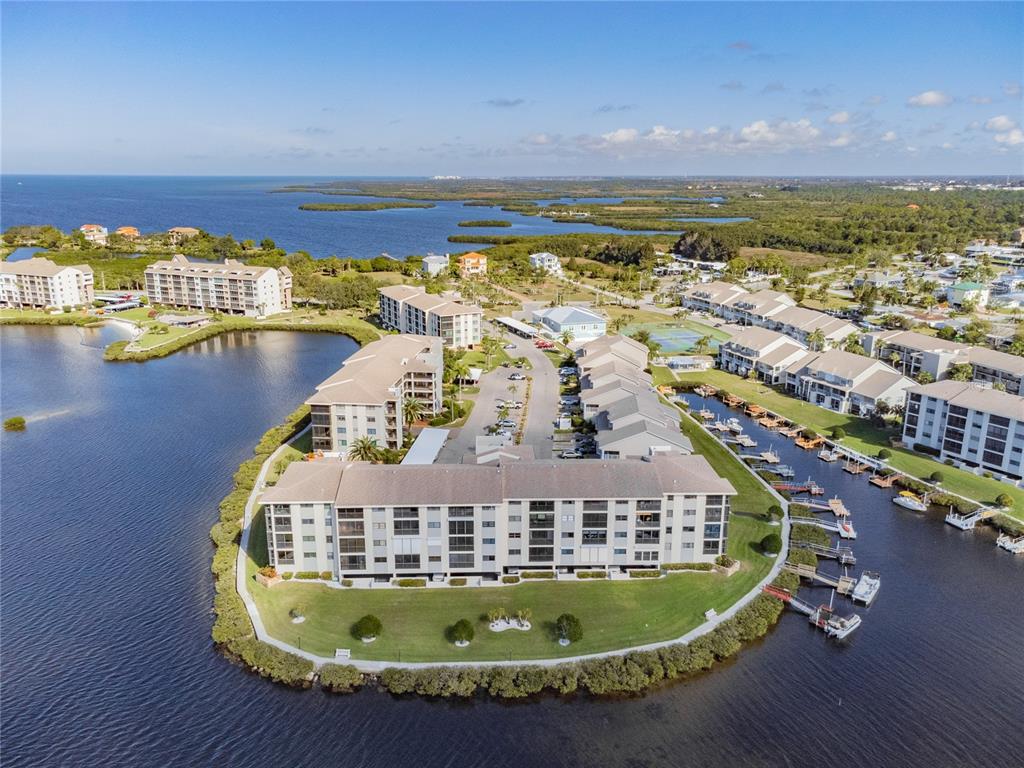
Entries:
{"x":460,"y":370}
{"x":364,"y":449}
{"x":567,"y":337}
{"x":702,"y":346}
{"x":412,"y":410}
{"x":816,"y":339}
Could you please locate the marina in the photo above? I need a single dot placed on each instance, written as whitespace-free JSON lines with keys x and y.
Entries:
{"x":823,"y":616}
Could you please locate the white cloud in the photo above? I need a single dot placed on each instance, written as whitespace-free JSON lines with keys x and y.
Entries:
{"x":539,"y":139}
{"x":1012,"y":89}
{"x":783,"y":133}
{"x":1011,"y":138}
{"x":930,"y":99}
{"x":621,"y":136}
{"x":889,"y":136}
{"x":839,"y":118}
{"x":661,"y":133}
{"x":842,"y":140}
{"x":1000,"y":124}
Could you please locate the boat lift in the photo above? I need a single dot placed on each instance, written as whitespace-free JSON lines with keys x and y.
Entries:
{"x":844,"y":555}
{"x":823,"y":617}
{"x":842,"y":584}
{"x":844,"y":529}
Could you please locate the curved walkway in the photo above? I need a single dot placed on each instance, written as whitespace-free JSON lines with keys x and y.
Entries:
{"x":364,"y":665}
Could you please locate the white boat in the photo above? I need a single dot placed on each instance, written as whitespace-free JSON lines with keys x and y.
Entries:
{"x":846,"y":530}
{"x":734,"y":425}
{"x":1011,"y":544}
{"x":720,"y":426}
{"x":962,"y":522}
{"x":826,"y":455}
{"x":841,"y":628}
{"x":867,"y":588}
{"x":911,"y":501}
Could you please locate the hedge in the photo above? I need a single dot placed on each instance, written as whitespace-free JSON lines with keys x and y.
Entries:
{"x":687,"y":566}
{"x":410,"y":582}
{"x":307,"y":575}
{"x":538,"y":574}
{"x":509,"y":579}
{"x":591,"y":574}
{"x":457,"y":581}
{"x":340,"y":678}
{"x":644,"y":574}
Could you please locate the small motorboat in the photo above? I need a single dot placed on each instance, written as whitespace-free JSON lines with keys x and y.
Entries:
{"x":911,"y":501}
{"x":867,"y":587}
{"x":846,"y":530}
{"x":840,"y":628}
{"x":734,"y":425}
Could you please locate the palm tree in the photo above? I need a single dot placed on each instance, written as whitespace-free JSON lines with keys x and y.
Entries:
{"x":852,"y":344}
{"x":364,"y":449}
{"x":460,"y":370}
{"x":412,"y":410}
{"x":567,"y":337}
{"x":702,"y":346}
{"x":816,"y":339}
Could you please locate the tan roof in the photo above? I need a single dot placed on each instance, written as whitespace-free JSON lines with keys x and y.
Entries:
{"x":1000,"y":361}
{"x":400,"y":292}
{"x":840,"y":363}
{"x":38,"y":266}
{"x":306,"y":481}
{"x":811,"y":320}
{"x":974,"y":397}
{"x":428,"y":302}
{"x":356,"y":484}
{"x":758,"y":339}
{"x":917,"y":341}
{"x":880,"y":382}
{"x":368,"y":375}
{"x":782,"y":353}
{"x":715,"y":291}
{"x":184,"y":230}
{"x":178,"y":264}
{"x":761,"y":300}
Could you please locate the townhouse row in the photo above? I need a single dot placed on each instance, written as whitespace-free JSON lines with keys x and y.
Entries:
{"x":834,"y":379}
{"x":774,"y":310}
{"x":39,"y":283}
{"x":617,"y":396}
{"x":410,"y":309}
{"x":436,"y":521}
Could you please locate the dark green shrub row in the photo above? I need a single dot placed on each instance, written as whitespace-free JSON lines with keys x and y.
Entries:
{"x":937,"y":498}
{"x":629,"y":673}
{"x":686,"y":566}
{"x":809,"y":534}
{"x":410,"y":582}
{"x":802,"y":557}
{"x":287,"y":575}
{"x":457,"y":581}
{"x":725,"y":561}
{"x":538,"y":574}
{"x":591,"y":574}
{"x":307,"y":574}
{"x":644,"y":574}
{"x":509,"y":579}
{"x":340,"y":678}
{"x":346,"y":582}
{"x":232,"y":629}
{"x":1007,"y":524}
{"x":800,"y":510}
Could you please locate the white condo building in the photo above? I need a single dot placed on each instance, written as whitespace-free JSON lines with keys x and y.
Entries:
{"x":844,"y":382}
{"x":231,"y":287}
{"x":410,"y":309}
{"x":365,"y":397}
{"x":41,"y":283}
{"x":970,"y":424}
{"x":380,"y":521}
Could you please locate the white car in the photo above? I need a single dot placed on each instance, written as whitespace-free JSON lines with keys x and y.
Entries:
{"x":516,"y":405}
{"x":517,"y":376}
{"x":570,"y":455}
{"x":509,"y":346}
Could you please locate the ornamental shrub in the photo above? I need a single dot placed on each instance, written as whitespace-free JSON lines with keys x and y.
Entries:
{"x":287,"y":575}
{"x":772,"y":543}
{"x":1004,"y":500}
{"x":644,"y":574}
{"x":884,"y":454}
{"x":591,"y":574}
{"x":838,"y":433}
{"x":268,"y":571}
{"x":775,"y":512}
{"x":686,"y":566}
{"x":538,"y":574}
{"x":461,"y":631}
{"x":509,"y":579}
{"x":367,"y":627}
{"x":326,"y":575}
{"x":569,"y":628}
{"x":936,"y":477}
{"x":410,"y":582}
{"x":457,"y":581}
{"x":346,"y":582}
{"x":340,"y":678}
{"x":725,"y":561}
{"x":307,"y":575}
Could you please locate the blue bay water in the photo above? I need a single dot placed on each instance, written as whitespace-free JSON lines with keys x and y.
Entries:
{"x":106,"y":658}
{"x":246,"y":208}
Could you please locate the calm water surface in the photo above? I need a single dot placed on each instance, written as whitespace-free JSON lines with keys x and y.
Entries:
{"x":245,"y":208}
{"x":106,"y":658}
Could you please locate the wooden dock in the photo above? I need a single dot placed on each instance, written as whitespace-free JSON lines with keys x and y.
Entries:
{"x":732,"y":401}
{"x":754,"y":411}
{"x":842,"y":554}
{"x":790,"y":432}
{"x":842,"y":584}
{"x":810,"y":443}
{"x":883,"y":481}
{"x":854,"y":467}
{"x":827,"y":455}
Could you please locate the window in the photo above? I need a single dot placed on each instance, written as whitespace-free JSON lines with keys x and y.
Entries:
{"x":516,"y":535}
{"x":407,"y":527}
{"x":568,"y":518}
{"x":380,"y":526}
{"x":308,"y":521}
{"x":487,"y":524}
{"x":406,"y":512}
{"x":488,"y":541}
{"x":622,"y":534}
{"x":434,"y":524}
{"x":460,"y":511}
{"x":350,"y":513}
{"x":380,"y":542}
{"x":515,"y":518}
{"x":567,"y":550}
{"x":353,"y":562}
{"x":461,"y":560}
{"x":488,"y":558}
{"x":595,"y":519}
{"x":407,"y":561}
{"x":621,"y":518}
{"x":542,"y":554}
{"x":595,"y":506}
{"x":380,"y":559}
{"x":460,"y":527}
{"x":514,"y":552}
{"x":541,"y":506}
{"x":309,"y":538}
{"x":568,"y":535}
{"x":620,"y":551}
{"x":434,"y":559}
{"x":309,"y":555}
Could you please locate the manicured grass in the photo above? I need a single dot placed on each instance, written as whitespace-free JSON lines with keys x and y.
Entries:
{"x":662,"y":375}
{"x":862,"y":436}
{"x":477,"y":358}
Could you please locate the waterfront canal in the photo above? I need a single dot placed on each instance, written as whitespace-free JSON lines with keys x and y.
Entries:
{"x":107,"y":500}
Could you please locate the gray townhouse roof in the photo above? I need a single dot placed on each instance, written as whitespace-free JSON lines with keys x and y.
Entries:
{"x":917,"y":341}
{"x":1000,"y":361}
{"x":880,"y":382}
{"x":836,"y":362}
{"x":612,"y":478}
{"x":757,"y":338}
{"x":646,"y":404}
{"x":637,"y":438}
{"x":716,"y":291}
{"x":811,"y":320}
{"x":388,"y":485}
{"x":367,"y":376}
{"x":38,"y":267}
{"x":569,"y":316}
{"x":974,"y":397}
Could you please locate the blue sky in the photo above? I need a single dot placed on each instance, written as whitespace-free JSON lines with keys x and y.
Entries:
{"x":512,"y":89}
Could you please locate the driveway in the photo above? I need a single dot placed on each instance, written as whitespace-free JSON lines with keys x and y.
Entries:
{"x":543,"y":405}
{"x":493,"y":386}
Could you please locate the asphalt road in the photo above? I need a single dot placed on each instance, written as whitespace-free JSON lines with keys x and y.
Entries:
{"x":541,"y":409}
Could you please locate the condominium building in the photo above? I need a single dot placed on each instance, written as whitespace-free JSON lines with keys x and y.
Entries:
{"x":472,"y":264}
{"x":41,"y":283}
{"x":755,"y":308}
{"x":380,"y":521}
{"x":366,"y":396}
{"x":410,"y":309}
{"x":712,"y":297}
{"x":914,"y":353}
{"x":970,"y":424}
{"x":231,"y":287}
{"x":94,"y":233}
{"x":846,"y":383}
{"x":180,"y":234}
{"x":767,"y":353}
{"x":804,"y":324}
{"x":547,"y":262}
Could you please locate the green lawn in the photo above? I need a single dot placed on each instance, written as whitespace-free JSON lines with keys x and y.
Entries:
{"x":661,"y":375}
{"x":861,"y":436}
{"x":477,"y":358}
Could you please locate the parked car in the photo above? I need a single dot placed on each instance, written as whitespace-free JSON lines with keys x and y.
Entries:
{"x":570,"y":455}
{"x":516,"y":405}
{"x":507,"y":424}
{"x":516,"y":376}
{"x":509,"y":346}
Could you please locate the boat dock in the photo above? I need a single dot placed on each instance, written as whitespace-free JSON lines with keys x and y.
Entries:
{"x":834,"y":505}
{"x":706,"y":414}
{"x":842,"y":584}
{"x":771,"y":422}
{"x":732,"y":401}
{"x":808,"y":486}
{"x":854,"y":467}
{"x":823,"y":617}
{"x":963,"y":522}
{"x":826,"y":455}
{"x":844,"y":529}
{"x":745,"y":440}
{"x":790,"y":432}
{"x":1011,"y":544}
{"x":883,"y":481}
{"x":782,"y":470}
{"x":754,"y":411}
{"x":810,"y":443}
{"x":844,"y":555}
